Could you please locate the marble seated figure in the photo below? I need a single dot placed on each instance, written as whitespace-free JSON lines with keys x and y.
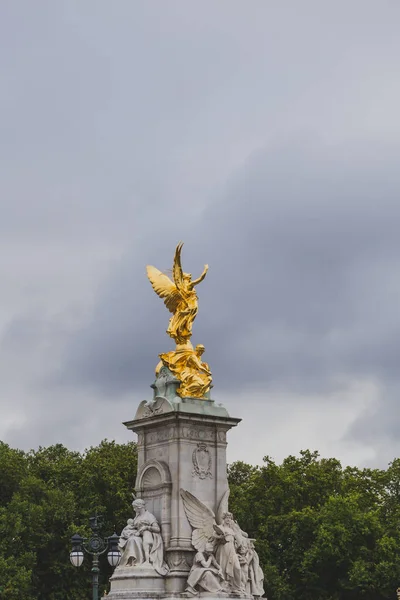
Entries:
{"x":205,"y":574}
{"x":141,"y":543}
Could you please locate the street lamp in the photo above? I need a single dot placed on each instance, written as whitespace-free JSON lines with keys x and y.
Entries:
{"x":113,"y":555}
{"x":95,"y":545}
{"x":76,"y":555}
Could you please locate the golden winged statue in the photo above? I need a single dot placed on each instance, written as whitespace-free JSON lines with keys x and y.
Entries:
{"x":180,"y":298}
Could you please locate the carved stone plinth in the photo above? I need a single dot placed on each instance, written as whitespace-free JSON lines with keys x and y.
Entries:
{"x":181,"y":445}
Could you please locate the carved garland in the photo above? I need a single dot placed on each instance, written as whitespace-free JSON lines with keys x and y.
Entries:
{"x":178,"y":561}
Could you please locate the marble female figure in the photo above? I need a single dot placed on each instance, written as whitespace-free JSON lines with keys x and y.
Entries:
{"x":226,"y":554}
{"x":205,"y":574}
{"x":141,"y":542}
{"x":234,"y":552}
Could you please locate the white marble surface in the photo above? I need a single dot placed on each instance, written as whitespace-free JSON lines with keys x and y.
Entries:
{"x":179,"y":449}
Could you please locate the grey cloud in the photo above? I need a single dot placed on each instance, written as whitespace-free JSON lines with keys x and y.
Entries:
{"x":266,"y":138}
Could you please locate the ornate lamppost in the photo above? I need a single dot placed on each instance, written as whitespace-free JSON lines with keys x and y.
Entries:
{"x":95,"y":545}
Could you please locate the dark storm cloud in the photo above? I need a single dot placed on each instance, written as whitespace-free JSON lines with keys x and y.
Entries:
{"x":299,"y":291}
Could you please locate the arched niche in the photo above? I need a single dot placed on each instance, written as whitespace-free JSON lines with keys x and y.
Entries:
{"x":153,"y":484}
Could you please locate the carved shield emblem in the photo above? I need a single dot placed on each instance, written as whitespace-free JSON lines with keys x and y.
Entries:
{"x":201,"y":461}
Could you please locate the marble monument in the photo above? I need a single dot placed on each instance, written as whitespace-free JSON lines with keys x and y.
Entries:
{"x":181,"y":541}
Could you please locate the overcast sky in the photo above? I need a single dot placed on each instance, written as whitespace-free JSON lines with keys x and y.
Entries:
{"x":266,"y":136}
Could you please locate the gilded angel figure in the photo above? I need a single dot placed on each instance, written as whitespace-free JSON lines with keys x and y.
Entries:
{"x":179,"y":296}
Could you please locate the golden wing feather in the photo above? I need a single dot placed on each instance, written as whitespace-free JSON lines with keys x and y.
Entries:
{"x":177,"y":268}
{"x":164,"y":287}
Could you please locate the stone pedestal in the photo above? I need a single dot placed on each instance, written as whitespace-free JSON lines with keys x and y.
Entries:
{"x":146,"y":580}
{"x":181,"y":445}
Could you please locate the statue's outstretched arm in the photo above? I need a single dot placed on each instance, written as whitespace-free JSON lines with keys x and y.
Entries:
{"x":199,"y":279}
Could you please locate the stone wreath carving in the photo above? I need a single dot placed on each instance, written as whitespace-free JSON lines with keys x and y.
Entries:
{"x":178,"y":560}
{"x":202,"y":461}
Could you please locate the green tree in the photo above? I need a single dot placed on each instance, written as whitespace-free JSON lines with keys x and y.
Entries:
{"x":322,"y":532}
{"x":12,"y":470}
{"x":49,"y":494}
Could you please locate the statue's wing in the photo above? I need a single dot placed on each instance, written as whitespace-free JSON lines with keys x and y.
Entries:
{"x":177,"y":268}
{"x":201,"y":518}
{"x":164,"y":287}
{"x":223,"y":506}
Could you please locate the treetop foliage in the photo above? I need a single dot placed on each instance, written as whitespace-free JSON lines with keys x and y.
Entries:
{"x":323,"y":532}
